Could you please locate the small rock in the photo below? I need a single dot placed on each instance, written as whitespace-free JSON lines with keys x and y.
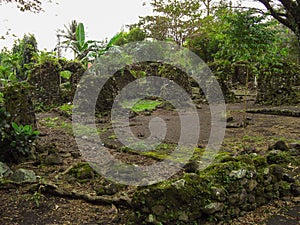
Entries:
{"x":295,"y":149}
{"x":150,"y":219}
{"x":238,"y":174}
{"x":234,"y":199}
{"x":279,"y":145}
{"x":5,"y":171}
{"x":192,"y":166}
{"x":229,"y":119}
{"x":295,"y":190}
{"x":266,"y":171}
{"x":252,"y":184}
{"x":288,"y":178}
{"x":277,"y":171}
{"x":218,"y":194}
{"x":179,"y":184}
{"x":111,"y":189}
{"x":75,"y":155}
{"x":158,"y":210}
{"x":23,"y":176}
{"x":234,"y":125}
{"x":213,"y":207}
{"x":183,"y":216}
{"x":53,"y":159}
{"x":295,"y":146}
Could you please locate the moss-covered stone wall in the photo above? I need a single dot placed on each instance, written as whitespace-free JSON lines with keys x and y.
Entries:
{"x":18,"y":103}
{"x":45,"y":79}
{"x":222,"y":191}
{"x":276,"y":85}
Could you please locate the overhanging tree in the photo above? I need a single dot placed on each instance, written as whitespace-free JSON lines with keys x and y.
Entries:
{"x":286,"y":12}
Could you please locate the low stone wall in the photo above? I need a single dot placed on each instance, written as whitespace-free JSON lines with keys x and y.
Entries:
{"x":222,"y":191}
{"x":276,"y":85}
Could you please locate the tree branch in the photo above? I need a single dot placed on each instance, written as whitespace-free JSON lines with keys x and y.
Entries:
{"x":277,"y":15}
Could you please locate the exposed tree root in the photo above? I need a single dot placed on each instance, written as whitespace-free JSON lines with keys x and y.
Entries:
{"x":53,"y":189}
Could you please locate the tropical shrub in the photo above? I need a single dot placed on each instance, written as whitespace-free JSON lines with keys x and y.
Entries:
{"x":16,"y":141}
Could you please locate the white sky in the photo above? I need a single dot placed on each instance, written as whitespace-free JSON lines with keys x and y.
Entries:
{"x":101,"y":18}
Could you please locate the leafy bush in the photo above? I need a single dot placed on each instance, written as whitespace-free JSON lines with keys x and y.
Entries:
{"x":16,"y":141}
{"x":22,"y":138}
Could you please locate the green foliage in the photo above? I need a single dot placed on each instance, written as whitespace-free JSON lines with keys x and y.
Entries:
{"x":65,"y":74}
{"x":22,"y":137}
{"x":133,"y":35}
{"x":172,"y":20}
{"x":246,"y":38}
{"x":16,"y":140}
{"x":1,"y":99}
{"x":26,"y":48}
{"x":9,"y":65}
{"x":80,"y":46}
{"x":80,"y":35}
{"x":37,"y":197}
{"x":110,"y":44}
{"x":286,"y":12}
{"x":88,"y":50}
{"x":44,"y":57}
{"x":66,"y":108}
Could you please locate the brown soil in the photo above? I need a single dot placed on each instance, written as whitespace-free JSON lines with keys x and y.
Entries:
{"x":17,"y":205}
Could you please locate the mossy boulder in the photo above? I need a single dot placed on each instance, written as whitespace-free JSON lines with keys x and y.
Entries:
{"x":83,"y":172}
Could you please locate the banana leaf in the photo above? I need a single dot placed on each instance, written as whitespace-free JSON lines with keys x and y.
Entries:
{"x":80,"y":34}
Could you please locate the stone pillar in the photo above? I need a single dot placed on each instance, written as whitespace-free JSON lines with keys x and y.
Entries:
{"x":45,"y":79}
{"x":19,"y":105}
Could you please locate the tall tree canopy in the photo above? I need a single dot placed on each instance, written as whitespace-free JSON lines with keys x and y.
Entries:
{"x":172,"y":19}
{"x":286,"y":12}
{"x":25,"y":5}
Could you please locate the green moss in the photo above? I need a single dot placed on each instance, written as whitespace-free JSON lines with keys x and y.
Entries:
{"x":278,"y":157}
{"x":219,"y":173}
{"x":83,"y":172}
{"x":160,"y":152}
{"x":245,"y":176}
{"x":260,"y":161}
{"x":284,"y":188}
{"x":66,"y":108}
{"x":247,"y":159}
{"x":142,"y":105}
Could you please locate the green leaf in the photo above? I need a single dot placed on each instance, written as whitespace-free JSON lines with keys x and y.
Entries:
{"x":113,"y":40}
{"x":80,"y":34}
{"x":15,"y":126}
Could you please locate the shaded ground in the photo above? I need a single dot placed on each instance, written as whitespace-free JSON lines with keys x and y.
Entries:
{"x":18,"y":205}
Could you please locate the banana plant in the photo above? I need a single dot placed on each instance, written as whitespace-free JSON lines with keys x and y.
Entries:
{"x":103,"y":49}
{"x":111,"y":43}
{"x":87,"y":50}
{"x":81,"y":47}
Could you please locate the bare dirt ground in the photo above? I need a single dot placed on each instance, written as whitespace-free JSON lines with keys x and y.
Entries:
{"x":19,"y":206}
